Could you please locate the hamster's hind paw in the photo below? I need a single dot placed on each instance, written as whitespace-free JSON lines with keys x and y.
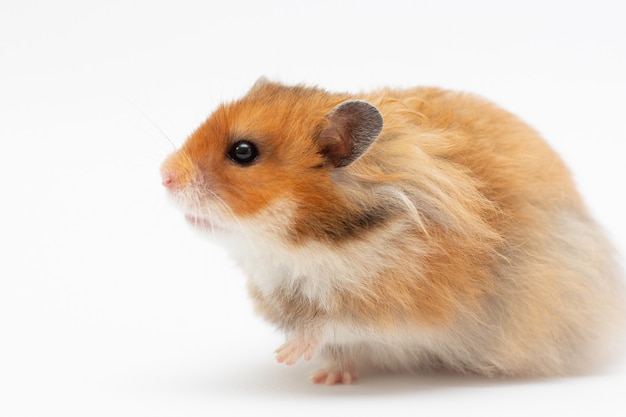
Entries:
{"x":334,"y":376}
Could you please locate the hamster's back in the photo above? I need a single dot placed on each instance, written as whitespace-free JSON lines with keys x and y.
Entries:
{"x":556,"y":299}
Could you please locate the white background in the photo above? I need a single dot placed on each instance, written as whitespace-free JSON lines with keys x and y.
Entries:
{"x":111,"y":305}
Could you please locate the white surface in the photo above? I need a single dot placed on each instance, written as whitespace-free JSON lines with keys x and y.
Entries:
{"x":111,"y":305}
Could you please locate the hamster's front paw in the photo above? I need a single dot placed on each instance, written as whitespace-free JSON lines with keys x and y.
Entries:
{"x":302,"y":345}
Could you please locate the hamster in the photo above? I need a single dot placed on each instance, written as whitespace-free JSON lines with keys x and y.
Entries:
{"x":410,"y":229}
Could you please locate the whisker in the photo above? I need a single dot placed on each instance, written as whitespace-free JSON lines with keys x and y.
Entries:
{"x":149,"y":119}
{"x":202,"y":202}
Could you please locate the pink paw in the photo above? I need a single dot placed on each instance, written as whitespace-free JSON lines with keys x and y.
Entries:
{"x":302,"y":345}
{"x":334,"y":376}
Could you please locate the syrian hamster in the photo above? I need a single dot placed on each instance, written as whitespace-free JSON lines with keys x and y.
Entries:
{"x":418,"y":228}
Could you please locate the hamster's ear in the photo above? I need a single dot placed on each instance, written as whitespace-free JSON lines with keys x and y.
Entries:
{"x":259,"y":84}
{"x":350,"y":130}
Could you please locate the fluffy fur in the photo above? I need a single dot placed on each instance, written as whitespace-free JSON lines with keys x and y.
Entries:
{"x":456,"y":240}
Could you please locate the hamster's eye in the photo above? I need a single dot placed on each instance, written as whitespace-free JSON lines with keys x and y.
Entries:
{"x":243,"y":152}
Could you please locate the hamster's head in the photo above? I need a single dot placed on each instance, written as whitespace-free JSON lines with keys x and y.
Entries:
{"x":266,"y":162}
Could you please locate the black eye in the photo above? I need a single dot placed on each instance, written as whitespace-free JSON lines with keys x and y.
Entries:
{"x":243,"y":152}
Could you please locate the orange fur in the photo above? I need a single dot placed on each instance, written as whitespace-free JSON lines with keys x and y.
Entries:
{"x":457,"y":239}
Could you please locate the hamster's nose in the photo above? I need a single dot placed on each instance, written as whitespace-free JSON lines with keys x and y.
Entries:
{"x":176,"y":174}
{"x":168,"y":178}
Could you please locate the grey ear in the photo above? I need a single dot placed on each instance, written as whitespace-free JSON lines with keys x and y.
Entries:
{"x":259,"y":85}
{"x":260,"y":82}
{"x":351,"y":129}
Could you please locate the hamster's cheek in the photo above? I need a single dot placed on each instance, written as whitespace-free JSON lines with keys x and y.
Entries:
{"x":252,"y":195}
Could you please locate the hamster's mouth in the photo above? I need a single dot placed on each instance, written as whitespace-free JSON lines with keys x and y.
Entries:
{"x":203,"y":223}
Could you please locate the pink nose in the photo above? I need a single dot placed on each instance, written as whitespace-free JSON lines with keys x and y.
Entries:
{"x":168,"y":178}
